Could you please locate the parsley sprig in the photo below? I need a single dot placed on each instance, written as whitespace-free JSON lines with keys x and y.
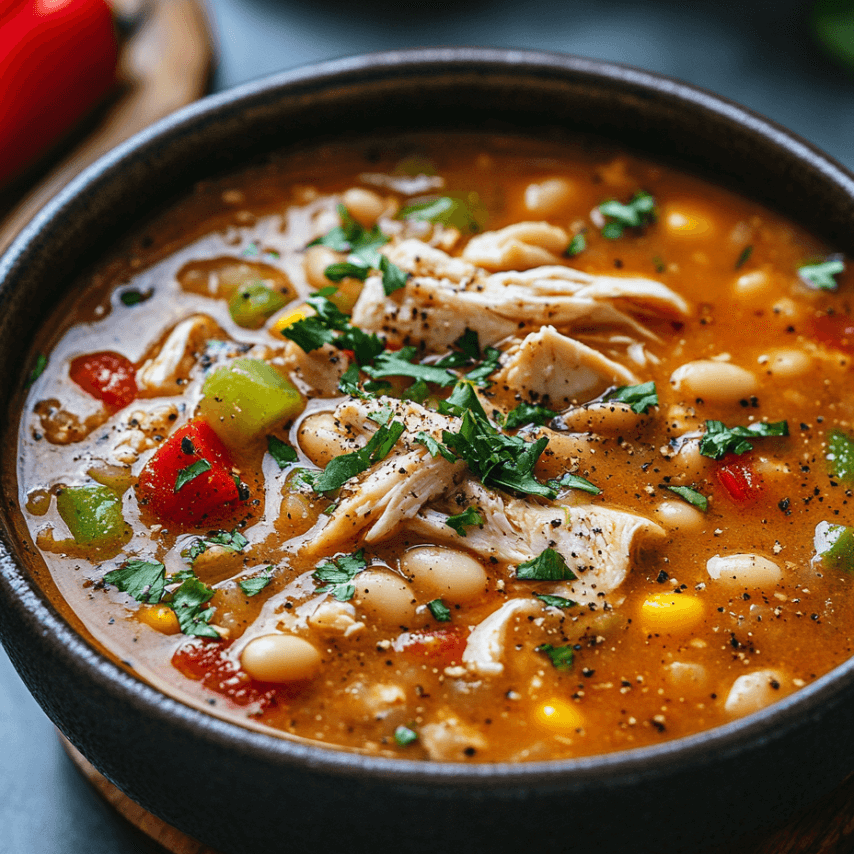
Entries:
{"x":337,"y":575}
{"x":467,"y":519}
{"x":720,"y":440}
{"x":639,"y":211}
{"x":232,"y":540}
{"x":639,"y":397}
{"x":548,"y":565}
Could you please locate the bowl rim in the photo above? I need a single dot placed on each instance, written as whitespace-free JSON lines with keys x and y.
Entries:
{"x":75,"y":652}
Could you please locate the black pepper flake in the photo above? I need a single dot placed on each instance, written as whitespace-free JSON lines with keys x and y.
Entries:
{"x":783,"y":504}
{"x":662,"y":577}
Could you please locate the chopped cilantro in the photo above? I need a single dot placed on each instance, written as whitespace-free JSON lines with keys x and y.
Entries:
{"x":435,"y":448}
{"x":549,"y":565}
{"x":191,"y":472}
{"x":561,"y":656}
{"x":336,"y":575}
{"x":577,"y":245}
{"x":744,"y":257}
{"x":639,"y":397}
{"x":834,"y":544}
{"x":468,"y":344}
{"x":253,"y":586}
{"x":342,"y":468}
{"x":304,"y":478}
{"x":639,"y":211}
{"x":686,"y":493}
{"x":440,"y":611}
{"x":489,"y":365}
{"x":393,"y":277}
{"x":38,"y":369}
{"x":346,"y":269}
{"x":461,"y":400}
{"x":658,"y":263}
{"x":233,"y":541}
{"x":528,"y":413}
{"x":399,"y":364}
{"x":822,"y":276}
{"x":351,"y":237}
{"x":720,"y":440}
{"x":144,"y":581}
{"x":840,"y":456}
{"x":187,"y":602}
{"x":468,"y":518}
{"x":575,"y":481}
{"x":448,"y":210}
{"x":555,"y":601}
{"x":404,"y":736}
{"x":133,"y":297}
{"x":418,"y":392}
{"x":382,"y":416}
{"x":281,"y":452}
{"x":498,"y":459}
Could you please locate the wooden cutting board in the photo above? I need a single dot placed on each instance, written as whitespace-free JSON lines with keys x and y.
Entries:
{"x":165,"y":64}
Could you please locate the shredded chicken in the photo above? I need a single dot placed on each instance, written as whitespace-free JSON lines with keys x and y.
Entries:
{"x":484,"y":652}
{"x":146,"y":429}
{"x":317,"y":373}
{"x":517,"y":247}
{"x":451,"y":739}
{"x":444,"y":296}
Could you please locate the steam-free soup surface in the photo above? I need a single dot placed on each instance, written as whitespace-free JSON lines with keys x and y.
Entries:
{"x":456,"y":448}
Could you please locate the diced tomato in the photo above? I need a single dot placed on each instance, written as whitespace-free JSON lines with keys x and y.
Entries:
{"x":108,"y":376}
{"x":441,"y":647}
{"x":834,"y":330}
{"x":210,"y":495}
{"x":739,"y":478}
{"x":206,"y":662}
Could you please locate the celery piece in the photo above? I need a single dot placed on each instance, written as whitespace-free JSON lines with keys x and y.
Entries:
{"x":93,"y":515}
{"x":251,"y":304}
{"x":840,"y":456}
{"x":247,"y":398}
{"x":834,"y":546}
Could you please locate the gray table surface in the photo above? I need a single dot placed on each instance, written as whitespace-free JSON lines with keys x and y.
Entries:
{"x":758,"y":53}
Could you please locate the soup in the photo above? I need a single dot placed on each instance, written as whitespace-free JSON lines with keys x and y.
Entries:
{"x":454,"y":448}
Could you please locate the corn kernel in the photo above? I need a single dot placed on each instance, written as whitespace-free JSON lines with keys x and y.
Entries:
{"x":670,"y":613}
{"x":559,"y":716}
{"x":160,"y":618}
{"x":289,"y":318}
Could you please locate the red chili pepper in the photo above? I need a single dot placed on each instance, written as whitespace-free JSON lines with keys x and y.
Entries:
{"x":738,"y":477}
{"x":108,"y":376}
{"x":57,"y":61}
{"x":179,"y":488}
{"x":441,"y":647}
{"x":834,"y":330}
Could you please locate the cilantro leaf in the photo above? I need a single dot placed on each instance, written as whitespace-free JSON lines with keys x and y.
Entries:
{"x":840,"y":456}
{"x":336,"y":575}
{"x":447,"y":210}
{"x":435,"y":448}
{"x":489,"y":365}
{"x":575,"y":481}
{"x":281,"y":452}
{"x":744,"y":257}
{"x":461,"y":400}
{"x":346,"y":269}
{"x":555,"y":601}
{"x":694,"y":498}
{"x":440,"y":611}
{"x":528,"y":413}
{"x":393,"y":277}
{"x":561,"y":656}
{"x":253,"y":586}
{"x":822,"y":276}
{"x":468,"y":518}
{"x":577,"y":245}
{"x":349,"y":382}
{"x":191,"y":472}
{"x":233,"y":541}
{"x":549,"y":565}
{"x":340,"y":469}
{"x":38,"y":369}
{"x":187,"y":602}
{"x":498,"y":459}
{"x":419,"y":392}
{"x":720,"y":440}
{"x":468,"y":344}
{"x":404,"y":736}
{"x":144,"y":581}
{"x":341,"y":237}
{"x":639,"y":211}
{"x":303,"y":478}
{"x":383,"y":415}
{"x":133,"y":297}
{"x":639,"y":397}
{"x":399,"y":364}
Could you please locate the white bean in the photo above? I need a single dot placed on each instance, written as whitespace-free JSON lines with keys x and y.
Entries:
{"x":365,"y":206}
{"x":548,"y":196}
{"x":322,"y":438}
{"x":686,"y":675}
{"x":385,"y":597}
{"x":744,"y":570}
{"x":314,"y":264}
{"x":447,"y":573}
{"x":753,"y":691}
{"x":721,"y":382}
{"x":677,"y":515}
{"x":788,"y":363}
{"x":753,"y":284}
{"x":601,"y":417}
{"x":280,"y":658}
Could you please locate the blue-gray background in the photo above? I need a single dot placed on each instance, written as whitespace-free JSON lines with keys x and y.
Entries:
{"x":758,"y":53}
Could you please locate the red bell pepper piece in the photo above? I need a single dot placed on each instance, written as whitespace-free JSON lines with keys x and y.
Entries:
{"x":738,"y":477}
{"x":108,"y":376}
{"x":441,"y":647}
{"x":57,"y":61}
{"x":834,"y":330}
{"x":189,"y":480}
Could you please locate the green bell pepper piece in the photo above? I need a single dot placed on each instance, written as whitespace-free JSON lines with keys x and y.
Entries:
{"x":251,"y":304}
{"x":93,"y":514}
{"x":247,"y":398}
{"x":840,"y":456}
{"x":834,"y":545}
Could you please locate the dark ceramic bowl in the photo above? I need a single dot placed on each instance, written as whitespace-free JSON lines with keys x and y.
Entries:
{"x":242,"y":791}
